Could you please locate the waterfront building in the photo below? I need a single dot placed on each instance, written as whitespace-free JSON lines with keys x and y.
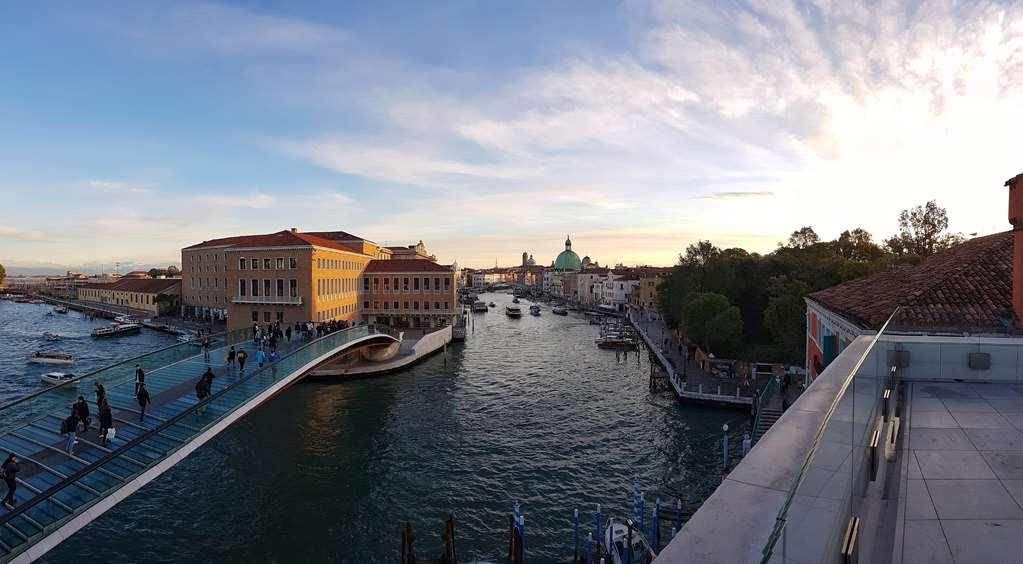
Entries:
{"x":644,"y":297}
{"x":286,"y":276}
{"x":616,"y":290}
{"x":408,"y":293}
{"x":417,"y":251}
{"x":155,"y":296}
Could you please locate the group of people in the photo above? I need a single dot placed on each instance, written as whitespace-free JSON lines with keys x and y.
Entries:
{"x":81,"y":416}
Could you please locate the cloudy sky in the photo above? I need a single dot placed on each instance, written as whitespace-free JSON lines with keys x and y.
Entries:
{"x":129,"y":130}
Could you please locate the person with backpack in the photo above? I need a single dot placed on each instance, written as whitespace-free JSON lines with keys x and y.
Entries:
{"x":9,"y":470}
{"x":230,"y":357}
{"x":260,"y":357}
{"x":70,"y":427}
{"x":242,"y":355}
{"x":82,"y":410}
{"x":140,"y":378}
{"x":143,"y":399}
{"x":106,"y":420}
{"x":202,"y":391}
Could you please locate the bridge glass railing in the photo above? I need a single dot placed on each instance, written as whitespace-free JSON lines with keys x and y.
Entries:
{"x":828,"y":490}
{"x":70,"y":485}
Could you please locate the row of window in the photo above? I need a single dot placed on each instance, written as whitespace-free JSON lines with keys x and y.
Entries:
{"x":390,"y":284}
{"x":268,"y":316}
{"x":338,"y":264}
{"x":394,"y":305}
{"x":267,"y":287}
{"x":333,"y":312}
{"x":200,"y":283}
{"x":334,"y":286}
{"x":119,"y":298}
{"x":268,"y":263}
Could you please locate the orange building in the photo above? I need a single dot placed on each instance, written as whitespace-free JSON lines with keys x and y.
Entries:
{"x":409,"y":293}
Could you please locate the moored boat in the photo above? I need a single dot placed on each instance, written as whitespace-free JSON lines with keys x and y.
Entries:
{"x":116,"y":329}
{"x":534,"y":310}
{"x":479,"y":307}
{"x":512,"y":310}
{"x":43,"y":357}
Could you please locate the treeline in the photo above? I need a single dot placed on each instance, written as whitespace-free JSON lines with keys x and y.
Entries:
{"x":170,"y":272}
{"x":737,"y":304}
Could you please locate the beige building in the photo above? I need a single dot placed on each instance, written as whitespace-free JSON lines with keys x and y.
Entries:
{"x":409,"y":293}
{"x":157,"y":296}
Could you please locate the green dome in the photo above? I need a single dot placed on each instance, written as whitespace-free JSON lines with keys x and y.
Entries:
{"x":568,"y":260}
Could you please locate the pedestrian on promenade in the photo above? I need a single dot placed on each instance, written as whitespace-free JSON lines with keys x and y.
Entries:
{"x":260,"y":357}
{"x":140,"y":378}
{"x":206,"y":349}
{"x":230,"y":357}
{"x":101,"y":393}
{"x":287,"y":333}
{"x":242,"y":355}
{"x":255,"y":333}
{"x":209,"y":375}
{"x":82,"y":408}
{"x":106,"y":420}
{"x":143,"y":398}
{"x":70,"y":426}
{"x":10,"y":474}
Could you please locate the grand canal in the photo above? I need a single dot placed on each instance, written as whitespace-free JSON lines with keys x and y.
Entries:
{"x":527,"y":410}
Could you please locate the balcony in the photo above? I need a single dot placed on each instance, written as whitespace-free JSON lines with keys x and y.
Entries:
{"x":272,"y":300}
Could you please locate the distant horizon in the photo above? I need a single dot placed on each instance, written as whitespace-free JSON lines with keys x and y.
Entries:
{"x":637,"y":127}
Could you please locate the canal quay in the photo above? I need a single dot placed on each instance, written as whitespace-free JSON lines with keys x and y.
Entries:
{"x":526,"y":410}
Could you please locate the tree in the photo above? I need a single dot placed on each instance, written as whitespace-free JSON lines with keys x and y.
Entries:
{"x":3,"y":274}
{"x":922,"y":231}
{"x":156,"y":272}
{"x":699,"y":254}
{"x":173,"y":271}
{"x":803,"y":238}
{"x":699,"y":309}
{"x":724,"y":333}
{"x":785,"y":316}
{"x":858,"y":245}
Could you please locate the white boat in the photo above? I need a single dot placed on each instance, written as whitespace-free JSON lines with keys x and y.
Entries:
{"x":42,"y":357}
{"x":515,"y":300}
{"x":534,"y":310}
{"x":116,"y":329}
{"x":616,"y":538}
{"x":512,"y":310}
{"x":491,"y":304}
{"x":186,"y":337}
{"x":559,"y":310}
{"x":57,"y":378}
{"x":60,"y":309}
{"x":51,"y":336}
{"x":479,"y":307}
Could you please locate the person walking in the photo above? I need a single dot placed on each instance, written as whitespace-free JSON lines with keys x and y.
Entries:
{"x":9,"y":470}
{"x":70,"y":427}
{"x":287,"y":333}
{"x":106,"y":421}
{"x":144,"y":400}
{"x":140,"y":378}
{"x":242,"y":355}
{"x":230,"y":357}
{"x":202,"y":391}
{"x":84,"y":417}
{"x":101,"y":393}
{"x":260,"y":357}
{"x":206,"y":349}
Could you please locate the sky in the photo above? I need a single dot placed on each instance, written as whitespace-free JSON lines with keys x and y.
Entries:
{"x":131,"y":129}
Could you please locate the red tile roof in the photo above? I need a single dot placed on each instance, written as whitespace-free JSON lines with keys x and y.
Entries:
{"x":406,"y":265}
{"x":141,"y":285}
{"x":286,"y":238}
{"x":965,"y":288}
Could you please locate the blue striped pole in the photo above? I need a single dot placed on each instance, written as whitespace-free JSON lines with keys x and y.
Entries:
{"x":678,"y":516}
{"x":575,"y":536}
{"x":600,"y":531}
{"x":655,"y":525}
{"x":642,"y":511}
{"x":589,"y":549}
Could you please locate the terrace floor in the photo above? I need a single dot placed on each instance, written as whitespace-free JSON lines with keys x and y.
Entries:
{"x":962,"y":484}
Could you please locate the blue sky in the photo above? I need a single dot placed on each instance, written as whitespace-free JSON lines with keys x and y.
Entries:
{"x":129,"y":129}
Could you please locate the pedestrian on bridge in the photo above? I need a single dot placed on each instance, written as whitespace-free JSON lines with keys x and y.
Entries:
{"x":230,"y":357}
{"x":287,"y":333}
{"x":10,"y":474}
{"x":242,"y":355}
{"x":260,"y":357}
{"x":84,"y":417}
{"x":144,"y":400}
{"x":101,"y":393}
{"x":206,"y":349}
{"x":69,"y":427}
{"x":106,"y":420}
{"x":140,"y":378}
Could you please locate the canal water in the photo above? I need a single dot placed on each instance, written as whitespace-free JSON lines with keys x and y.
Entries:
{"x":526,"y":410}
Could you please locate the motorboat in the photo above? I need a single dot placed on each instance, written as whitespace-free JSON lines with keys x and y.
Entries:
{"x":534,"y":310}
{"x":559,"y":310}
{"x":479,"y":307}
{"x":512,"y":310}
{"x":51,"y":336}
{"x":57,"y":378}
{"x":491,"y":304}
{"x":60,"y":309}
{"x":117,"y":329}
{"x":515,"y":300}
{"x":186,"y":337}
{"x":617,"y":342}
{"x":43,"y":357}
{"x":617,"y":538}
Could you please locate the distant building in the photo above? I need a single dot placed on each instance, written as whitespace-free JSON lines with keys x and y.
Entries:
{"x":408,"y":293}
{"x":645,"y":295}
{"x":156,"y":296}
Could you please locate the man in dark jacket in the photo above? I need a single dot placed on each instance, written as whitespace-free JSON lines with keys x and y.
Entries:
{"x":82,"y":410}
{"x":10,"y":474}
{"x":106,"y":419}
{"x":140,"y":378}
{"x":143,"y":398}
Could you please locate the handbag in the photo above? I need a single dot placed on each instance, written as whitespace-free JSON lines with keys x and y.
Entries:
{"x":111,"y":433}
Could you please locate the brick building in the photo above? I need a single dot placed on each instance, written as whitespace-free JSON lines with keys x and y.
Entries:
{"x":408,"y":293}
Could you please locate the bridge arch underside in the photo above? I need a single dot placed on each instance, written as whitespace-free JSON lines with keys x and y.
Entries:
{"x":59,"y":493}
{"x":372,"y":350}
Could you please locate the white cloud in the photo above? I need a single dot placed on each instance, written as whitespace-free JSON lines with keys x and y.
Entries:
{"x":119,"y":187}
{"x":226,"y":203}
{"x":22,"y":233}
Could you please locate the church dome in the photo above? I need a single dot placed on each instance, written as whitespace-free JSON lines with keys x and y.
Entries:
{"x":568,"y":260}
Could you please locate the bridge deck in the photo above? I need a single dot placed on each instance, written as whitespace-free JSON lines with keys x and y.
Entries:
{"x":58,"y":492}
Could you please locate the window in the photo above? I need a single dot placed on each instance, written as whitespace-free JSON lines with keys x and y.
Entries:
{"x":447,"y":284}
{"x":255,"y":316}
{"x":395,"y":283}
{"x":426,"y":284}
{"x":267,"y":266}
{"x":404,"y":284}
{"x":280,"y":264}
{"x":266,"y":288}
{"x":395,"y":305}
{"x":280,"y":316}
{"x":293,"y":288}
{"x":254,"y":263}
{"x":292,"y":262}
{"x":365,"y":305}
{"x":426,"y":305}
{"x":365,"y":284}
{"x":406,"y":305}
{"x":387,"y":305}
{"x":376,"y":305}
{"x":387,"y":284}
{"x":436,"y":284}
{"x":376,"y":284}
{"x":436,"y":305}
{"x":280,"y":288}
{"x":266,"y":316}
{"x":445,"y":305}
{"x":415,"y":283}
{"x":415,"y":305}
{"x":255,"y":287}
{"x":241,"y":287}
{"x":241,"y":264}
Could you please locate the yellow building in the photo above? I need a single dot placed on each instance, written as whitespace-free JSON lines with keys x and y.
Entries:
{"x":158,"y":296}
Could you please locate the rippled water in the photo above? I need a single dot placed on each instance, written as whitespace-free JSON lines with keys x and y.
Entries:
{"x":527,"y":409}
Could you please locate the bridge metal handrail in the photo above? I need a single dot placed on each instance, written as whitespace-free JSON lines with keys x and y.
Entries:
{"x":763,"y":399}
{"x":46,"y":495}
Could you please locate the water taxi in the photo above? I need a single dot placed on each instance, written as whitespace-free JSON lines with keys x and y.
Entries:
{"x":515,"y":300}
{"x":42,"y":357}
{"x":116,"y":329}
{"x":51,"y":336}
{"x":479,"y":307}
{"x":491,"y":304}
{"x":60,"y":309}
{"x":559,"y":310}
{"x":534,"y":310}
{"x":512,"y":311}
{"x":57,"y":378}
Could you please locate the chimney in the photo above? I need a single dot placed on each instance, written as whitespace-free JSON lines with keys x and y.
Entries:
{"x":1015,"y":185}
{"x":294,"y":230}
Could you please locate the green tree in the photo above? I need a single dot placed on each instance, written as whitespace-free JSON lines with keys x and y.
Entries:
{"x":803,"y":238}
{"x":156,"y":272}
{"x":173,"y":271}
{"x":858,"y":245}
{"x":699,"y":309}
{"x":724,"y":333}
{"x":922,"y":231}
{"x":785,"y":316}
{"x":3,"y":274}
